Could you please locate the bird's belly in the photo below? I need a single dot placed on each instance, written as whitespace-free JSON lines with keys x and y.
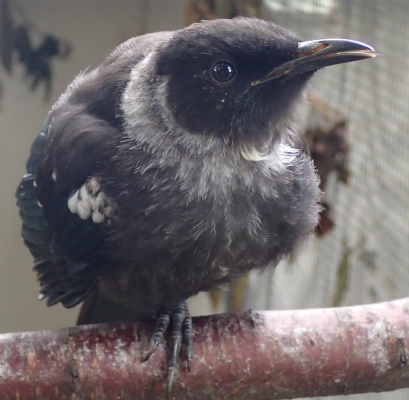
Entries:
{"x":192,"y":249}
{"x":173,"y":240}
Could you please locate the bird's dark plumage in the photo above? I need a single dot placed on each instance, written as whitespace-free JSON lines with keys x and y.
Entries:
{"x":172,"y":168}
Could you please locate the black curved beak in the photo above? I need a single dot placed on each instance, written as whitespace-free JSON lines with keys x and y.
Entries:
{"x":316,"y":54}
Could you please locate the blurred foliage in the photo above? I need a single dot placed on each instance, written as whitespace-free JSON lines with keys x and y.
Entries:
{"x":197,"y":10}
{"x":327,"y":139}
{"x":17,"y":46}
{"x":342,"y":277}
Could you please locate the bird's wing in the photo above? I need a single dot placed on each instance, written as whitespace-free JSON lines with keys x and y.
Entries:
{"x":69,"y":252}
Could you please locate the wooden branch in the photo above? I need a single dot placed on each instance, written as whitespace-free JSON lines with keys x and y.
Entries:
{"x":254,"y":355}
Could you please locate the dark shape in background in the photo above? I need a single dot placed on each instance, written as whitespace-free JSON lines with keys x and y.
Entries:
{"x":17,"y":45}
{"x":6,"y":35}
{"x":328,"y":144}
{"x":197,"y":10}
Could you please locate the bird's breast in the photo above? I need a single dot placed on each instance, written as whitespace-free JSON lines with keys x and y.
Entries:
{"x":198,"y":223}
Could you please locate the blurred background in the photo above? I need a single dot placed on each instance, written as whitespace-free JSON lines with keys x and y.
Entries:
{"x":357,"y":127}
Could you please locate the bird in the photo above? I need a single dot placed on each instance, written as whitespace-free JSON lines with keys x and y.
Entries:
{"x":174,"y":167}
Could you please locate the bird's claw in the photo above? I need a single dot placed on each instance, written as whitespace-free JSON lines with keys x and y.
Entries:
{"x":181,"y":329}
{"x":161,"y":327}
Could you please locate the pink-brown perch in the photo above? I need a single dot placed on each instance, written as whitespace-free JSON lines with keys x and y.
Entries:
{"x":253,"y":355}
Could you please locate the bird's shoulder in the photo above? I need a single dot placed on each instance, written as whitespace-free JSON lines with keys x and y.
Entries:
{"x":85,"y":126}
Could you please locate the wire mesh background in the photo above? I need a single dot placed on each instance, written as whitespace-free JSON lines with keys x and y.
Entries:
{"x":364,"y":259}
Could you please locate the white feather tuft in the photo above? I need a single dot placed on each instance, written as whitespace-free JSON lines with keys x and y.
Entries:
{"x":89,"y":201}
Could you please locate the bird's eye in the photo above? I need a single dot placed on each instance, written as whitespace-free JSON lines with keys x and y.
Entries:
{"x":223,"y":72}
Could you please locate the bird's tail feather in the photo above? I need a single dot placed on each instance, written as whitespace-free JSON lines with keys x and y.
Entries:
{"x":97,"y":308}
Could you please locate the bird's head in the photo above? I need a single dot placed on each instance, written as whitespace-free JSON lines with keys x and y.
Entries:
{"x":239,"y":79}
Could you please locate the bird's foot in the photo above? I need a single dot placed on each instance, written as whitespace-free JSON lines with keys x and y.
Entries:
{"x":181,"y":329}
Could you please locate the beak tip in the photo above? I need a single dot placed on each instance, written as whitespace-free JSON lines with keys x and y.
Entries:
{"x":316,"y":54}
{"x":333,"y":46}
{"x":327,"y":52}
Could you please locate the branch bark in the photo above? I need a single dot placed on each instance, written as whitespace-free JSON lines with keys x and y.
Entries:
{"x":254,"y":355}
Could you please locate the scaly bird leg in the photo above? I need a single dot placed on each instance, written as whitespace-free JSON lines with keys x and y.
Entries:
{"x":181,"y":329}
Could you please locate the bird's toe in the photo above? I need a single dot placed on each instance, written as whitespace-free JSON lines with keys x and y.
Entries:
{"x":179,"y":323}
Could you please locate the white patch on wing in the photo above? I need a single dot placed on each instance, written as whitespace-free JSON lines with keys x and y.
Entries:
{"x":73,"y":202}
{"x":88,"y":201}
{"x":84,"y":203}
{"x":98,"y":217}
